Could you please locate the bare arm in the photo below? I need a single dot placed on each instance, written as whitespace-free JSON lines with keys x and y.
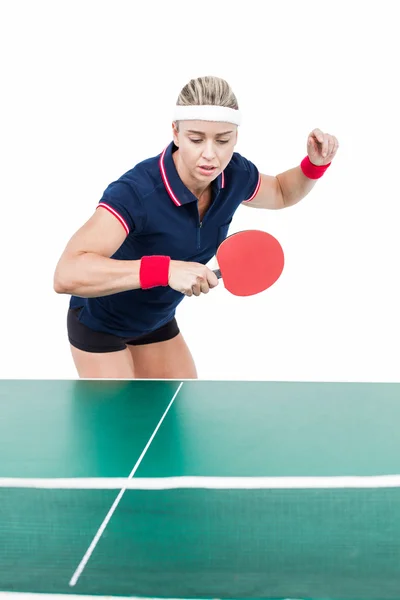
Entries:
{"x":85,"y":268}
{"x":286,"y":189}
{"x":289,"y":187}
{"x":294,"y":185}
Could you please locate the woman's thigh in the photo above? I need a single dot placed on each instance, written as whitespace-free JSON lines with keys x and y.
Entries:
{"x":170,"y":359}
{"x":162,"y":354}
{"x":107,"y":365}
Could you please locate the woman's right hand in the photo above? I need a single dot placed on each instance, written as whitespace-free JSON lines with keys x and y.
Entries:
{"x":191,"y":278}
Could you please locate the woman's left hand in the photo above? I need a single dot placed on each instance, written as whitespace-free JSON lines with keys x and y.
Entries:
{"x":321,"y":147}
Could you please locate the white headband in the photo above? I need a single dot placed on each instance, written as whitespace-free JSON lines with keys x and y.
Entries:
{"x":221,"y":114}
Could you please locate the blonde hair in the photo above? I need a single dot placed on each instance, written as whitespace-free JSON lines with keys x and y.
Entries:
{"x":205,"y":91}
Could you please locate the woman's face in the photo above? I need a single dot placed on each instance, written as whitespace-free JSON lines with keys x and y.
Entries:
{"x":205,"y":147}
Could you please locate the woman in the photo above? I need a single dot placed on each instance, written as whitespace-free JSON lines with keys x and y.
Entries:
{"x":153,"y":231}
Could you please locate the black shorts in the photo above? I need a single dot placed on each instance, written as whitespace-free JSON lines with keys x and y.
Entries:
{"x":82,"y":337}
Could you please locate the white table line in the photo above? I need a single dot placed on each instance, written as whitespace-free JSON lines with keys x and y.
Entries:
{"x":117,"y":500}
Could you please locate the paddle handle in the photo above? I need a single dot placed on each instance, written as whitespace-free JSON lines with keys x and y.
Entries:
{"x":218,"y":273}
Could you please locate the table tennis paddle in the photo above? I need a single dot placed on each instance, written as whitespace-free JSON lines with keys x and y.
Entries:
{"x":249,"y":262}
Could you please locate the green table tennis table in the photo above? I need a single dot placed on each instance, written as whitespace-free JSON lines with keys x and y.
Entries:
{"x":200,"y":489}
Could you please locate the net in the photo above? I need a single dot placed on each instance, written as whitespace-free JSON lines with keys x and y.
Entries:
{"x":203,"y":537}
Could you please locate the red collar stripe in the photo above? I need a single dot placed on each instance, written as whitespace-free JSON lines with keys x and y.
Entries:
{"x":165,"y":180}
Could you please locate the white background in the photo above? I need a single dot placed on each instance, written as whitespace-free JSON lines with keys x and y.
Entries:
{"x":88,"y":91}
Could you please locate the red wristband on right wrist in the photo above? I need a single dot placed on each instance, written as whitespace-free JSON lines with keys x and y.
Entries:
{"x":154,"y":271}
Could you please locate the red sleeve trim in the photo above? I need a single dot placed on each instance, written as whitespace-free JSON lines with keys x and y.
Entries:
{"x":117,"y":215}
{"x":255,"y":191}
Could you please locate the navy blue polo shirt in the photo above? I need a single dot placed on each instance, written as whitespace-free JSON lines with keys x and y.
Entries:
{"x":160,"y":216}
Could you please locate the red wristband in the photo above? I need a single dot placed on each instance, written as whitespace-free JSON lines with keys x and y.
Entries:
{"x":312,"y":171}
{"x":154,"y":271}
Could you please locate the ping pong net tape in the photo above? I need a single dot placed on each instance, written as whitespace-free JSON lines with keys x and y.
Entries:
{"x":198,"y":482}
